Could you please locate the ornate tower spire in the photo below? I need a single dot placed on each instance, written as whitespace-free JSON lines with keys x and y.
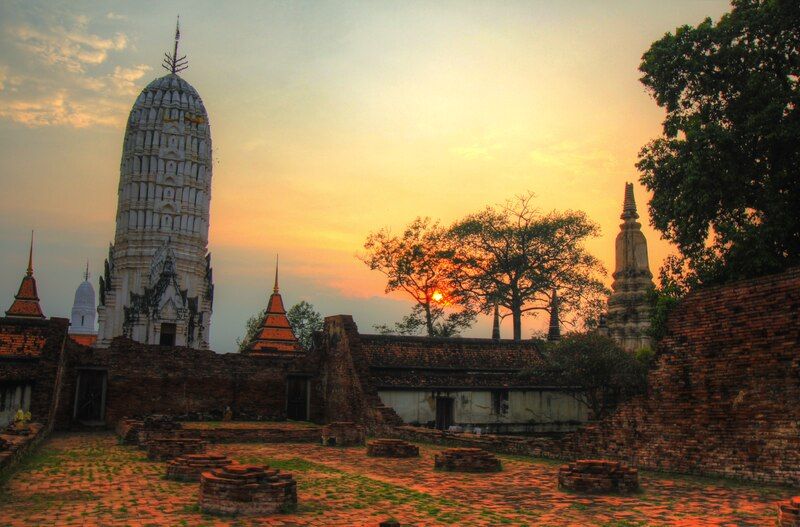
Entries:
{"x":30,"y":257}
{"x":86,"y":273}
{"x":173,"y":63}
{"x":275,"y":287}
{"x":26,"y":301}
{"x":554,"y":331}
{"x":496,"y":323}
{"x":628,"y":320}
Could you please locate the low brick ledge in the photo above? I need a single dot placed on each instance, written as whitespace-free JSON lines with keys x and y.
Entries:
{"x":395,"y":448}
{"x":190,"y":466}
{"x":13,"y":447}
{"x":467,"y":460}
{"x":598,"y":476}
{"x":789,"y":513}
{"x":247,"y":489}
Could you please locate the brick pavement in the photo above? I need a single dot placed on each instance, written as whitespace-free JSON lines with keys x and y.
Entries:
{"x":89,"y":479}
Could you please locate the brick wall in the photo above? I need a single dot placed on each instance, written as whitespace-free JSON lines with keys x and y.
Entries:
{"x":144,"y":379}
{"x":724,"y":398}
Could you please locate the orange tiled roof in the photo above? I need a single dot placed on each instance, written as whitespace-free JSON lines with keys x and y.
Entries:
{"x":275,"y":333}
{"x":26,"y":301}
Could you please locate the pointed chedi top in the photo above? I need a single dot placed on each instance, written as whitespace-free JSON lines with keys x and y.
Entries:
{"x":629,"y":205}
{"x":496,"y":323}
{"x":275,"y":335}
{"x":554,"y":331}
{"x":26,"y":301}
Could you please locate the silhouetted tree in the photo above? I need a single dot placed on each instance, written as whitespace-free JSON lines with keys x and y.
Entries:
{"x":305,"y":320}
{"x":725,"y":173}
{"x":513,"y":256}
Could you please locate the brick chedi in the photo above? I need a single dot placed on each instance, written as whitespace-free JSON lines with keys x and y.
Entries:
{"x":391,"y":448}
{"x":628,"y":320}
{"x":343,"y":434}
{"x":190,"y":466}
{"x":467,"y":460}
{"x":598,"y":476}
{"x":26,"y":301}
{"x":247,"y":489}
{"x":157,"y":285}
{"x":275,"y":333}
{"x":170,"y":448}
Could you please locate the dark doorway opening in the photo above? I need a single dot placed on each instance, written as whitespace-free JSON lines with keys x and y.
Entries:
{"x":168,"y":331}
{"x":90,"y":399}
{"x":297,"y":398}
{"x":444,"y":412}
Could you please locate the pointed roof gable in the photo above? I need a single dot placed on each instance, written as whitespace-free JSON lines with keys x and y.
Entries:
{"x":26,"y":301}
{"x":275,"y":332}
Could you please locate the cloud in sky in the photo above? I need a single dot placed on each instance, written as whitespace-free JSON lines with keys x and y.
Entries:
{"x":64,"y":78}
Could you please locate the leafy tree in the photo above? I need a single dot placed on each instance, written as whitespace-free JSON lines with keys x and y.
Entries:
{"x":444,"y":324}
{"x":605,"y":373}
{"x":725,"y":172}
{"x":418,"y":263}
{"x":305,"y":320}
{"x":513,"y":256}
{"x":251,"y":330}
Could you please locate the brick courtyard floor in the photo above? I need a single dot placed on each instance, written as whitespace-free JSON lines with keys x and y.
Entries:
{"x":88,"y":479}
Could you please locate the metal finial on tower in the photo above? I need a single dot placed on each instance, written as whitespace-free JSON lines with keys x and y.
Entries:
{"x":30,"y":257}
{"x":275,"y":289}
{"x":173,"y":63}
{"x":629,"y":205}
{"x":86,"y":273}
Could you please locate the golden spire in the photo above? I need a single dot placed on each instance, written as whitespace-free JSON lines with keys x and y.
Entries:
{"x":275,"y":288}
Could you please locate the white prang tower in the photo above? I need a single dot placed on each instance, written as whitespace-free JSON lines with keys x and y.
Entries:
{"x":157,"y":285}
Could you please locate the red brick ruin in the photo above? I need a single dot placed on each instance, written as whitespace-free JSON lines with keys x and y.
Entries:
{"x":598,"y":476}
{"x":467,"y":460}
{"x":789,"y":513}
{"x":191,"y":466}
{"x":391,"y":448}
{"x":170,"y":448}
{"x":247,"y":489}
{"x":343,"y":434}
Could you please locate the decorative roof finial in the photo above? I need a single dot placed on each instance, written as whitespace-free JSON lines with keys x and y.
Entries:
{"x":86,"y":273}
{"x":30,"y":258}
{"x":275,"y":289}
{"x":173,"y":63}
{"x":554,"y":331}
{"x":629,"y":206}
{"x":496,"y":323}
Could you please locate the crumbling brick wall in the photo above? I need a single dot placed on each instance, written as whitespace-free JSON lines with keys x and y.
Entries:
{"x":724,"y":397}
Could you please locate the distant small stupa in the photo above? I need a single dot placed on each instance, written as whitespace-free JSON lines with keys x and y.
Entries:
{"x":275,"y":333}
{"x":84,"y":311}
{"x":628,"y":320}
{"x":26,"y":301}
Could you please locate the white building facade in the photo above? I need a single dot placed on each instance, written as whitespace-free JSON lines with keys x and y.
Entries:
{"x":157,"y":283}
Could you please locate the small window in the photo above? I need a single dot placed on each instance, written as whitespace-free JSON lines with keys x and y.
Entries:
{"x":168,"y":332}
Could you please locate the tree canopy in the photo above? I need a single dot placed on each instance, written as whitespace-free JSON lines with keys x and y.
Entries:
{"x":515,"y":257}
{"x":725,"y":172}
{"x":305,"y":320}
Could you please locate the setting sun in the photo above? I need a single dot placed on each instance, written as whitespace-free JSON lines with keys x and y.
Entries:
{"x":437,"y":296}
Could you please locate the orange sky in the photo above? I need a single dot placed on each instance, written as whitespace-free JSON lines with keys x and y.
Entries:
{"x":329,"y":120}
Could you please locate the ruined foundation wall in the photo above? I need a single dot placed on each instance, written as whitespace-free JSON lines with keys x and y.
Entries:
{"x":723,"y":397}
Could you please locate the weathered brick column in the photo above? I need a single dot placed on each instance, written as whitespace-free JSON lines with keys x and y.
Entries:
{"x":467,"y":460}
{"x":598,"y":476}
{"x":247,"y":489}
{"x":128,"y":430}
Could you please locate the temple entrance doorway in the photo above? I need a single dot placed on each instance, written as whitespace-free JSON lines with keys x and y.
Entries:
{"x":444,"y":412}
{"x":297,"y":398}
{"x":90,"y":397}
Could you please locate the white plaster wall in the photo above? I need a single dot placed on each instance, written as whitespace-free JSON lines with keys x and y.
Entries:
{"x":525,"y":407}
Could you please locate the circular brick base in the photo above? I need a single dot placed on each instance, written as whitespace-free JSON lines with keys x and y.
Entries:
{"x":467,"y":460}
{"x":598,"y":476}
{"x":789,"y":513}
{"x":247,"y":489}
{"x":392,"y":448}
{"x":190,"y":466}
{"x":166,"y":449}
